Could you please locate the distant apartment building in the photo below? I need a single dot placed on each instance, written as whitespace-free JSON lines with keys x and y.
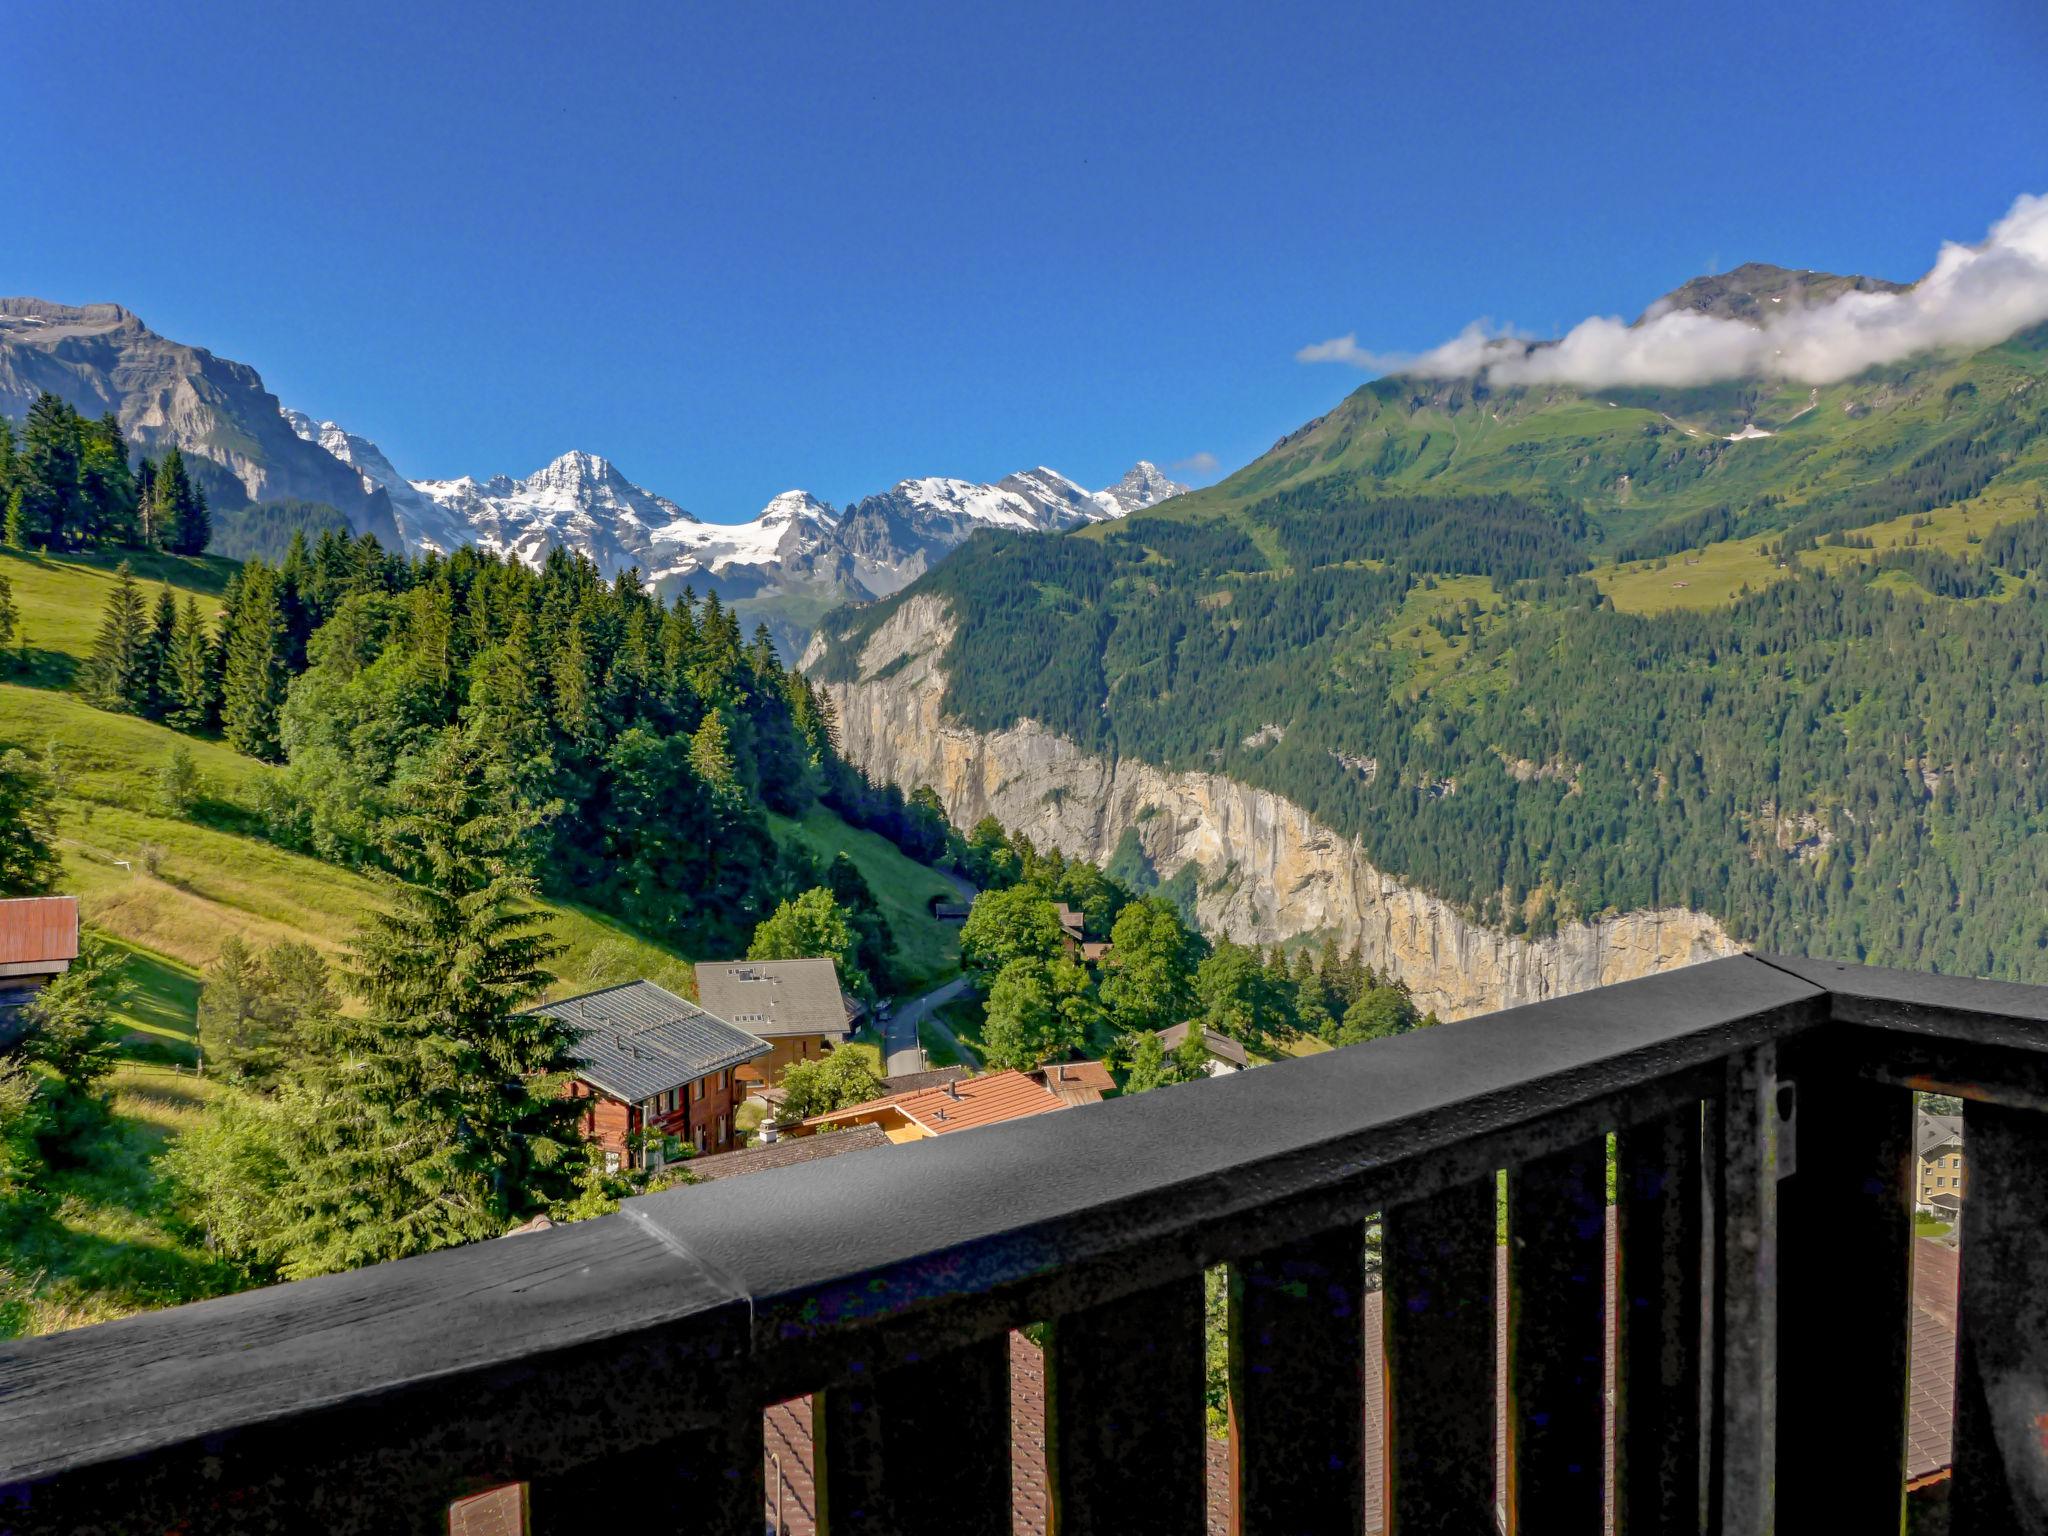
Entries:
{"x":659,"y":1072}
{"x":797,"y":1006}
{"x":1938,"y":1150}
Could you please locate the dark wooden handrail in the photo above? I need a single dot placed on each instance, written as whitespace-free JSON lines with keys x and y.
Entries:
{"x":407,"y":1384}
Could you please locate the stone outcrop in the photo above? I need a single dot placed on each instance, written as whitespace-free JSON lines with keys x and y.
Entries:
{"x":1267,"y":870}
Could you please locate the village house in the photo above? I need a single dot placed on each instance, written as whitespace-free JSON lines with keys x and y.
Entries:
{"x":1938,"y":1152}
{"x":1071,"y":931}
{"x":1225,"y":1054}
{"x":797,"y":1006}
{"x":1074,"y":1082}
{"x":960,"y":1105}
{"x":38,"y":942}
{"x":659,"y":1072}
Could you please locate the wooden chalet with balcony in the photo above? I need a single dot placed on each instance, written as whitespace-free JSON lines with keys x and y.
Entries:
{"x":658,"y":1071}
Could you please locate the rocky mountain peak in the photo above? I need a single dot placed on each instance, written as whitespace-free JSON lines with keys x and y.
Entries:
{"x":1752,"y":291}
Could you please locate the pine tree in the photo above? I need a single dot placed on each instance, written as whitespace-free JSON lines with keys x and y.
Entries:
{"x":185,"y":526}
{"x":254,"y":681}
{"x":157,"y":653}
{"x":14,"y":532}
{"x":118,"y":674}
{"x":440,"y":1113}
{"x":9,"y":614}
{"x":28,"y":826}
{"x":190,"y":686}
{"x":47,"y":472}
{"x":711,"y":752}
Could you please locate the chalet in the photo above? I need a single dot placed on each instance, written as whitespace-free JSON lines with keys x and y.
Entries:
{"x":659,"y":1072}
{"x":1074,"y":1082}
{"x":38,"y":942}
{"x":1225,"y":1054}
{"x":795,"y":1005}
{"x":1938,"y":1164}
{"x":1071,"y":926}
{"x":961,"y":1105}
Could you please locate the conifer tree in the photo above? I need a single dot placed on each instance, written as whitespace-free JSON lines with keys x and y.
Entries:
{"x":190,"y":686}
{"x":28,"y":826}
{"x":440,"y":1117}
{"x":14,"y":531}
{"x":254,"y":677}
{"x":163,"y":634}
{"x":47,"y":472}
{"x":10,"y":615}
{"x":711,"y":752}
{"x":183,"y":523}
{"x":118,"y":674}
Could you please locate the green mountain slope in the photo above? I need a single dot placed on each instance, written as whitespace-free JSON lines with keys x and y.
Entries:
{"x":1408,"y":619}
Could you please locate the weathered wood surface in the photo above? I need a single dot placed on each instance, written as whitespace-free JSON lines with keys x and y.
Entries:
{"x":1124,"y":1430}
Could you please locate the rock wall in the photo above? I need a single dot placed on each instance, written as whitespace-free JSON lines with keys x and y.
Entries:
{"x":1268,"y":871}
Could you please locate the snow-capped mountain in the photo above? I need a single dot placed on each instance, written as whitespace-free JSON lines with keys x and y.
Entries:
{"x":579,"y":502}
{"x":797,"y":557}
{"x":422,"y":522}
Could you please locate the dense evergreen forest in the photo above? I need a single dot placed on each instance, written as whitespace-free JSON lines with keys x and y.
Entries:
{"x":1843,"y":764}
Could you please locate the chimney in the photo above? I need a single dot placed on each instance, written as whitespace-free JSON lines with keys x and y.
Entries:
{"x":952,"y":1091}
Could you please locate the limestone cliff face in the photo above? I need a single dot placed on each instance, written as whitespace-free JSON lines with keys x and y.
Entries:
{"x":1267,"y":870}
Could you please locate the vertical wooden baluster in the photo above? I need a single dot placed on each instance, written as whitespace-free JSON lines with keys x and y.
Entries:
{"x":708,"y":1483}
{"x":1745,"y":1330}
{"x":919,"y":1450}
{"x":1125,"y":1440}
{"x":1845,"y":1302}
{"x":1658,"y":1305}
{"x":1297,"y":1387}
{"x":2001,"y":1425}
{"x":1557,"y":1341}
{"x":1437,"y":1331}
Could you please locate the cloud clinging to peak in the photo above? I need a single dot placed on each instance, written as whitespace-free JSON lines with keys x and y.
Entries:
{"x":1973,"y":296}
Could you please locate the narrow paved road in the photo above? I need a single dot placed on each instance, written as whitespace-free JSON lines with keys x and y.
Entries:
{"x":902,"y":1054}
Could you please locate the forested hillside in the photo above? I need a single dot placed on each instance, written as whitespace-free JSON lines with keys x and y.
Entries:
{"x":1409,"y":619}
{"x":239,"y":768}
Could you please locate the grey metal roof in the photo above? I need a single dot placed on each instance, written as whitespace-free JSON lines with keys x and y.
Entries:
{"x":639,"y":1039}
{"x":1933,"y":1131}
{"x":1219,"y":1045}
{"x":776,"y":997}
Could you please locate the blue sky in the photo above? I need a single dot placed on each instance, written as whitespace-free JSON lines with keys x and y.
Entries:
{"x":742,"y":248}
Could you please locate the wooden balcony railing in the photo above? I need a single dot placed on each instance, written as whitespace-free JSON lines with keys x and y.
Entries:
{"x":620,"y":1367}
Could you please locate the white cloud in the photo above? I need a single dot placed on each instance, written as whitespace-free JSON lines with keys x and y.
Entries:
{"x":1972,"y":297}
{"x":1345,"y":349}
{"x":1203,"y":463}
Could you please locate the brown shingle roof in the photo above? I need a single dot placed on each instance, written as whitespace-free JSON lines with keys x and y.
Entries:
{"x":789,"y":1150}
{"x":777,"y":997}
{"x":38,"y":930}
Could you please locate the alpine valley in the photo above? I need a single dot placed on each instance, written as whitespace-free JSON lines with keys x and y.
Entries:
{"x":1529,"y":688}
{"x":270,"y":470}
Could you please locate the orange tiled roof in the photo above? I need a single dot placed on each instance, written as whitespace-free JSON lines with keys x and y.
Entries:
{"x":960,"y":1106}
{"x":34,"y":929}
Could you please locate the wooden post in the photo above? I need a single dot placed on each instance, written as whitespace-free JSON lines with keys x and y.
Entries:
{"x":1557,"y":1341}
{"x":1745,"y":1388}
{"x":918,"y":1450}
{"x":2001,"y":1426}
{"x":1125,"y":1440}
{"x":1437,"y":1331}
{"x":1297,"y":1388}
{"x":709,"y":1483}
{"x":1845,"y":1301}
{"x":1657,"y":1214}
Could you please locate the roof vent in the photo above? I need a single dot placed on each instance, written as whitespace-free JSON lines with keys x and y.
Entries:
{"x":952,"y":1091}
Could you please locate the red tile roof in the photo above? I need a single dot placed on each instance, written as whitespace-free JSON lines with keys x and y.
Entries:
{"x":959,"y":1106}
{"x":38,"y":929}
